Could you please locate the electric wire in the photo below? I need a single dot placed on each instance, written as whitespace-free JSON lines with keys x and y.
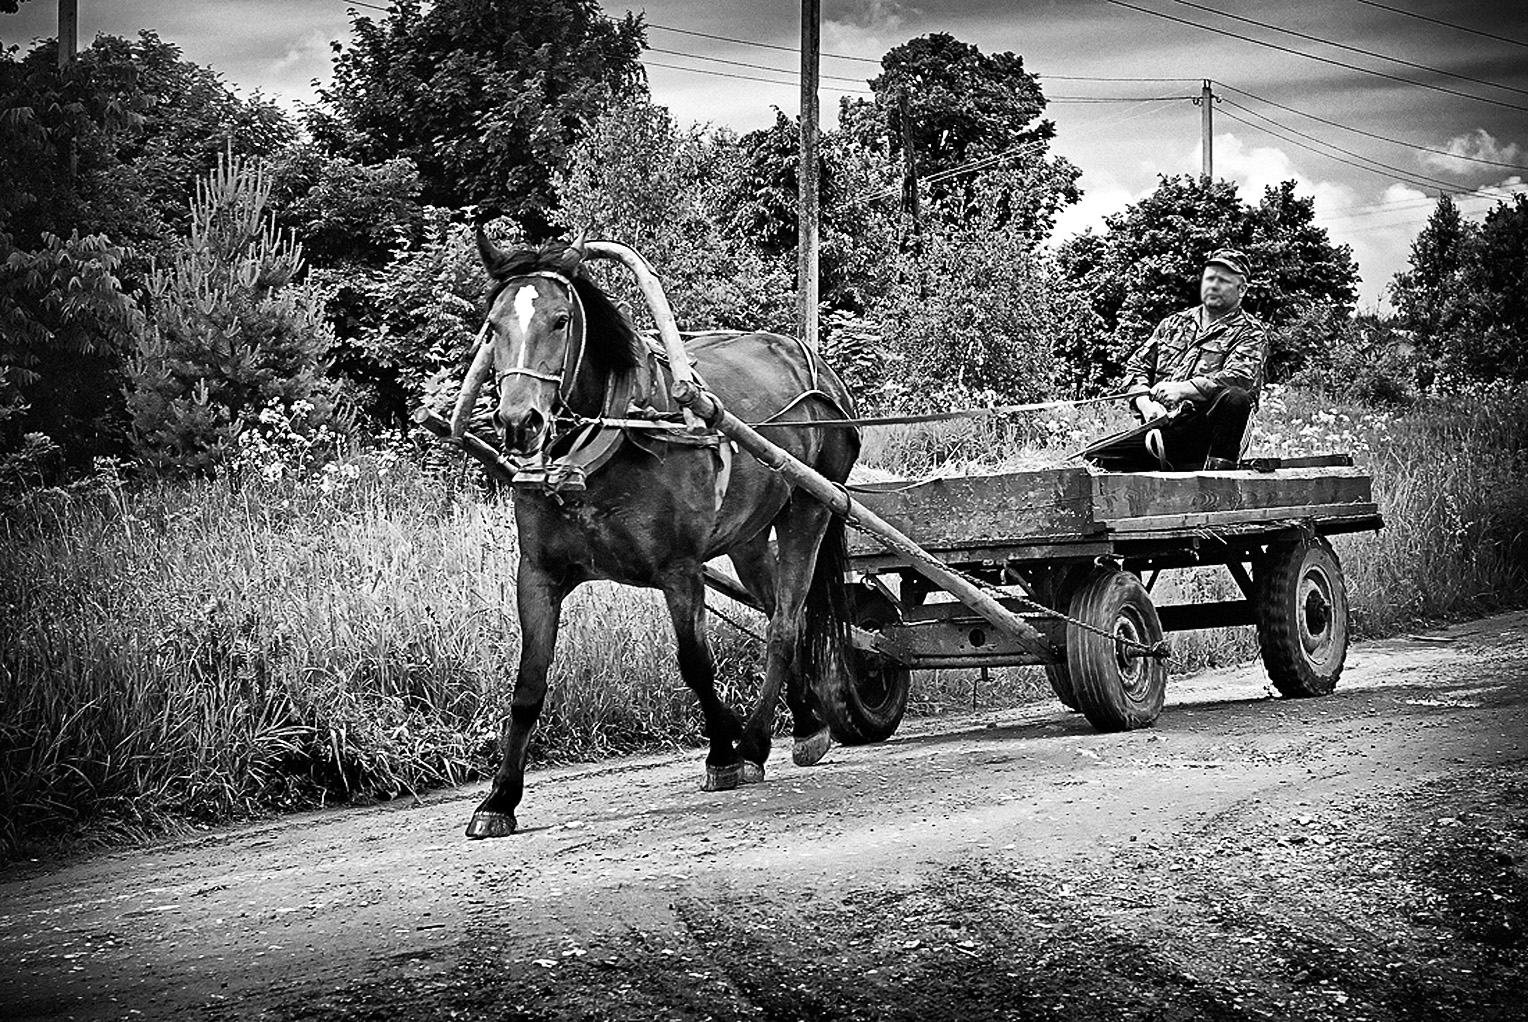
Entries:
{"x":1377,"y":168}
{"x":1346,"y":152}
{"x":752,"y":42}
{"x":740,"y":63}
{"x":1445,"y":24}
{"x":1373,"y":135}
{"x":1315,"y":57}
{"x":752,"y":78}
{"x":1352,"y":49}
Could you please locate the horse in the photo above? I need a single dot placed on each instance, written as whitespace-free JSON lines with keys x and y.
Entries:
{"x":650,"y":506}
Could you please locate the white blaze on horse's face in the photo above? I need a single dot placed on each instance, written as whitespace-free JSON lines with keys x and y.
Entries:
{"x":530,"y":338}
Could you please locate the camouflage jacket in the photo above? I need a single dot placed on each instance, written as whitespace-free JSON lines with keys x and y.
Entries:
{"x":1230,"y":353}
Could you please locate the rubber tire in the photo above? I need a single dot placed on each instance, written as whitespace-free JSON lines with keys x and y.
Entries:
{"x":1115,"y":692}
{"x":1302,"y":616}
{"x":1060,"y":680}
{"x":876,"y":687}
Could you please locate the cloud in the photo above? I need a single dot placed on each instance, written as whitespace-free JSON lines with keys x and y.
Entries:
{"x":1479,"y":144}
{"x":312,"y":47}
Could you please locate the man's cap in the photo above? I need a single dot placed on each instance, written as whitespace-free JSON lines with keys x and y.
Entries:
{"x":1232,"y":259}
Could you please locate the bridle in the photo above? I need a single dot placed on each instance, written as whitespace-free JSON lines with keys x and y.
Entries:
{"x":565,"y":376}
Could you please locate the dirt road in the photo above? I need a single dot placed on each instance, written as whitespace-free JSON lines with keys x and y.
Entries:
{"x":1363,"y":856}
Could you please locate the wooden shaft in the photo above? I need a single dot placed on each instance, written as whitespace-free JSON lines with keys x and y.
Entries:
{"x":839,"y":502}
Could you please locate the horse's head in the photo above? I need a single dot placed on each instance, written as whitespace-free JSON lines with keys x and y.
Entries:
{"x":550,"y":340}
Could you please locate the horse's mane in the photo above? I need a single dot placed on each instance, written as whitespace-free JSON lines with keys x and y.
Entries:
{"x":613,"y":343}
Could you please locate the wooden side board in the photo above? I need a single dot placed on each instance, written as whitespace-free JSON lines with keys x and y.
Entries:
{"x":1084,"y":505}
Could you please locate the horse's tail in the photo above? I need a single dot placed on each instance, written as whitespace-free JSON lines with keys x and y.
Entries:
{"x":825,"y":632}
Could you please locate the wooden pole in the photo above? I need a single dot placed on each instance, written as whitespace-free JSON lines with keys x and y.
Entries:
{"x":68,"y":31}
{"x":1207,"y":132}
{"x":806,"y":276}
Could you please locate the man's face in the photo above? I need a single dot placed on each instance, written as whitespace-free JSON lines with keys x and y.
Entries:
{"x":1221,"y":290}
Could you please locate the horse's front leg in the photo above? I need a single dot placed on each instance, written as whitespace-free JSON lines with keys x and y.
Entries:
{"x":540,"y":605}
{"x":686,"y":597}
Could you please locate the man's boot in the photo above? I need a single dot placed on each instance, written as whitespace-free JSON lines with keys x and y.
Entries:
{"x":1213,"y":464}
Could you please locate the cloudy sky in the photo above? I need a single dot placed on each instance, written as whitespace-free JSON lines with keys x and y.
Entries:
{"x":1371,"y":109}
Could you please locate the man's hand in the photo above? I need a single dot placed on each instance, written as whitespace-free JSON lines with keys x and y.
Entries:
{"x":1171,"y":392}
{"x":1148,"y":408}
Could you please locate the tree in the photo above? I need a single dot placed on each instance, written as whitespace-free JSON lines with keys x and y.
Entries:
{"x":1427,"y":295}
{"x":65,"y":328}
{"x":638,"y":178}
{"x":232,"y":334}
{"x":484,"y":96}
{"x":113,"y":143}
{"x":1490,"y":341}
{"x":965,"y":108}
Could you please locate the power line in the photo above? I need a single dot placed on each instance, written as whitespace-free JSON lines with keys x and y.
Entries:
{"x":1445,"y":24}
{"x":750,"y":78}
{"x":1312,"y":56}
{"x":1090,"y":78}
{"x":1370,"y":134}
{"x":739,"y":63}
{"x":751,"y":42}
{"x":1116,"y":99}
{"x":1346,"y":152}
{"x":1377,"y":168}
{"x":1352,"y":49}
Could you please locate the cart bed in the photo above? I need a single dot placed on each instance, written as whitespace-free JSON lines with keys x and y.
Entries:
{"x":1081,"y":512}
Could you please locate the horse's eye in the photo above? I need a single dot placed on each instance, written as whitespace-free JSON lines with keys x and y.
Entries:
{"x":560,"y":320}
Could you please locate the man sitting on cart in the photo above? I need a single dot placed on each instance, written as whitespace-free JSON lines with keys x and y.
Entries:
{"x":1195,"y":381}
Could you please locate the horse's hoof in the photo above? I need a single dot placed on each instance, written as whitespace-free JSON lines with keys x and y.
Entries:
{"x":809,"y":751}
{"x":753,"y":772}
{"x":723,"y":778}
{"x":490,"y":824}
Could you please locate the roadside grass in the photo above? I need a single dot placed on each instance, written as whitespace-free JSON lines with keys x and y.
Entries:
{"x":204,"y":651}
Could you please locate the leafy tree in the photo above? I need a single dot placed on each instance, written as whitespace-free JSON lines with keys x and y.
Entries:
{"x":966,"y":109}
{"x":65,"y":327}
{"x":1491,"y":340}
{"x":983,"y":318}
{"x":1149,"y":261}
{"x":1427,"y":295}
{"x":114,"y":142}
{"x":233,"y":334}
{"x":638,"y":178}
{"x":484,"y":96}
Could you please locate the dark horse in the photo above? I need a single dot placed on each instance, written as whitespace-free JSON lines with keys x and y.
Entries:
{"x":654,"y":509}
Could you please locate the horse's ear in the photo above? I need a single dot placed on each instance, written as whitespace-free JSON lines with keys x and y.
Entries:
{"x":493,"y":258}
{"x":574,"y":254}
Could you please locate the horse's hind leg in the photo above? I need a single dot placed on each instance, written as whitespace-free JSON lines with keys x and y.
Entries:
{"x":686,"y":596}
{"x":540,"y":605}
{"x":799,"y":529}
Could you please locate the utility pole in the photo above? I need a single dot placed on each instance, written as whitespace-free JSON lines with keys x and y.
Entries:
{"x":68,"y":31}
{"x":1207,"y":132}
{"x":807,"y":282}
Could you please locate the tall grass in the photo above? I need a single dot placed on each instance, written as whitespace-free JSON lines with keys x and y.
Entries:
{"x":206,"y":650}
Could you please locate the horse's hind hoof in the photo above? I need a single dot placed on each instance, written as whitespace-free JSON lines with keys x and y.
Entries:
{"x":723,"y":778}
{"x":809,"y":751}
{"x":753,"y":773}
{"x":490,"y":824}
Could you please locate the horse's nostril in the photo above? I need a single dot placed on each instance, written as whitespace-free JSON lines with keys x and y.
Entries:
{"x":521,"y":433}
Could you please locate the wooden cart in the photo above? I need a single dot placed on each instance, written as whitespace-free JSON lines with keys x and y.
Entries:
{"x":1075,"y":553}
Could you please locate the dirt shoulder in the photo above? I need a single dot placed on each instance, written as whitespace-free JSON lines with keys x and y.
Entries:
{"x":1362,"y":856}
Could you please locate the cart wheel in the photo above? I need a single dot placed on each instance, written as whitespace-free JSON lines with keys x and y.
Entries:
{"x":1302,"y":616}
{"x":1116,"y":688}
{"x":874,"y":688}
{"x":1061,"y":684}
